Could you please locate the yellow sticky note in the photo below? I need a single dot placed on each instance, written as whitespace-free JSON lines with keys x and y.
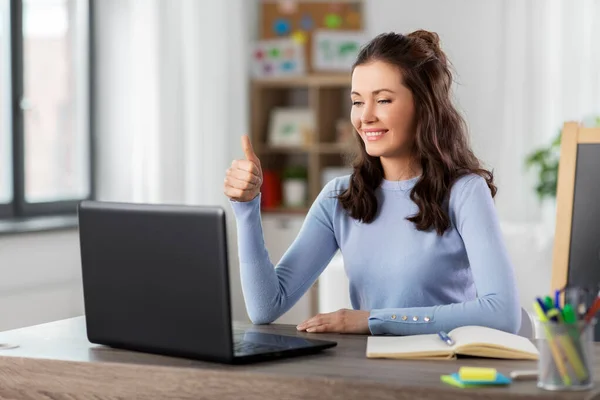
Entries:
{"x":449,"y":379}
{"x":477,"y":374}
{"x":299,"y":37}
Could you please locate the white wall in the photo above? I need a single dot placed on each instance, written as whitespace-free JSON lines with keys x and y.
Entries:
{"x":470,"y":31}
{"x":40,"y":278}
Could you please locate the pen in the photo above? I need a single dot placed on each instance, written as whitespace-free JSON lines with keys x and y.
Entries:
{"x":444,"y":336}
{"x":579,"y":298}
{"x":540,"y":302}
{"x":592,"y":310}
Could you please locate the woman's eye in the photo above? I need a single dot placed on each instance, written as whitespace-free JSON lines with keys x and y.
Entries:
{"x":384,"y":101}
{"x":356,"y":103}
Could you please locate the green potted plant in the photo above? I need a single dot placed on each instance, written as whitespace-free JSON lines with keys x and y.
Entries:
{"x":295,"y":186}
{"x":545,"y":160}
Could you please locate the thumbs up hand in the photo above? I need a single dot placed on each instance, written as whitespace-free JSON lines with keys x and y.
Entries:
{"x":244,"y":177}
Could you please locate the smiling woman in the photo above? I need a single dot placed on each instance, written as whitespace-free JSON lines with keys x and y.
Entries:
{"x":415,"y":221}
{"x":402,"y":110}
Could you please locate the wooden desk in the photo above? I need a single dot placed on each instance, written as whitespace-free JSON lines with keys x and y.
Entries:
{"x":55,"y":361}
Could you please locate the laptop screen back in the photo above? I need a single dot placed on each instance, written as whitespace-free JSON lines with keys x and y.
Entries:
{"x":155,"y":278}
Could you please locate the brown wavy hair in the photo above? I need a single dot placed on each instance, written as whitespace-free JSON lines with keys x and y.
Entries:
{"x":441,"y":141}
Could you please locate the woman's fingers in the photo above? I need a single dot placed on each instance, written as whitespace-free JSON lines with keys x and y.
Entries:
{"x":244,"y":176}
{"x":247,"y":166}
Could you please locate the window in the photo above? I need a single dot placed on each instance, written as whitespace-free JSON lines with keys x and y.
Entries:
{"x":6,"y":194}
{"x":47,"y":145}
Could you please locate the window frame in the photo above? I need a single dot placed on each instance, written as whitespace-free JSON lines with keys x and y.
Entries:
{"x":20,"y":208}
{"x":7,"y":209}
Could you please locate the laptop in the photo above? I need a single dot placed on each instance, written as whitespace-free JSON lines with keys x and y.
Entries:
{"x":156,"y":280}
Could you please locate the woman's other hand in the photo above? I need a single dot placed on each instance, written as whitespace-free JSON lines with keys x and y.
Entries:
{"x":340,"y":321}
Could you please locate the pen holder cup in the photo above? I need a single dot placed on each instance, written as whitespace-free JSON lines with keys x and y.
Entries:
{"x":566,"y":360}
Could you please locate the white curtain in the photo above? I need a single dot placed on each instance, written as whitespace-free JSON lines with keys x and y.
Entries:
{"x":171,"y":97}
{"x":550,"y":74}
{"x":171,"y":102}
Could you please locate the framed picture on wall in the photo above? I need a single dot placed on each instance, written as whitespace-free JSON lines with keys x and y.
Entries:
{"x":335,"y":51}
{"x":291,"y":126}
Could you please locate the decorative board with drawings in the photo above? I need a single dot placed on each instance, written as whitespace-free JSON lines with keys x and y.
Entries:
{"x":298,"y":21}
{"x":277,"y":57}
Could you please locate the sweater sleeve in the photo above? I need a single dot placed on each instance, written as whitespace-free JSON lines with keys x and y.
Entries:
{"x":269,"y":291}
{"x":497,"y":305}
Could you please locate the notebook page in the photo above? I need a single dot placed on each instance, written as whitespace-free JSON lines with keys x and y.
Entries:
{"x":407,"y":344}
{"x":465,"y":335}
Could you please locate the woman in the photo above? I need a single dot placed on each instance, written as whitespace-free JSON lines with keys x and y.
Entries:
{"x":415,"y":221}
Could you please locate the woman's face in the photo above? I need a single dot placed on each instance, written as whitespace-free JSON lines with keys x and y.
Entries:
{"x":383,"y":110}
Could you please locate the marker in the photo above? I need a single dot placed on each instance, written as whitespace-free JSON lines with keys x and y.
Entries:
{"x":568,"y":314}
{"x":569,"y":318}
{"x":554,"y":315}
{"x":553,"y":346}
{"x":565,"y":343}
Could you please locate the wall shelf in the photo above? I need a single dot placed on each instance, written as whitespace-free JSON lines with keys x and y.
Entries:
{"x":319,"y":80}
{"x":328,"y":95}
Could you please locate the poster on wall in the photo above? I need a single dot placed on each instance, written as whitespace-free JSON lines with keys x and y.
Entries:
{"x":336,"y":51}
{"x":291,"y":126}
{"x":277,"y":57}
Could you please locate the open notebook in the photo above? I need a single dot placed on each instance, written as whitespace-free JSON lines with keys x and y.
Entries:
{"x":475,"y":341}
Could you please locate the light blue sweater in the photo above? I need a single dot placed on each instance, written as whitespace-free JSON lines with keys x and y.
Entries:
{"x":411,"y":281}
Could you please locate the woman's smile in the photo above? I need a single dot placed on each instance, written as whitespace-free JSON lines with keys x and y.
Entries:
{"x":374,"y":134}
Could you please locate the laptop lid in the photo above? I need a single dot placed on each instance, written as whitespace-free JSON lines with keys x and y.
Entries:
{"x":155,"y":278}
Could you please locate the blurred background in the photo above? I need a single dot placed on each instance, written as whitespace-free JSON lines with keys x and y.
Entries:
{"x":146,"y":100}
